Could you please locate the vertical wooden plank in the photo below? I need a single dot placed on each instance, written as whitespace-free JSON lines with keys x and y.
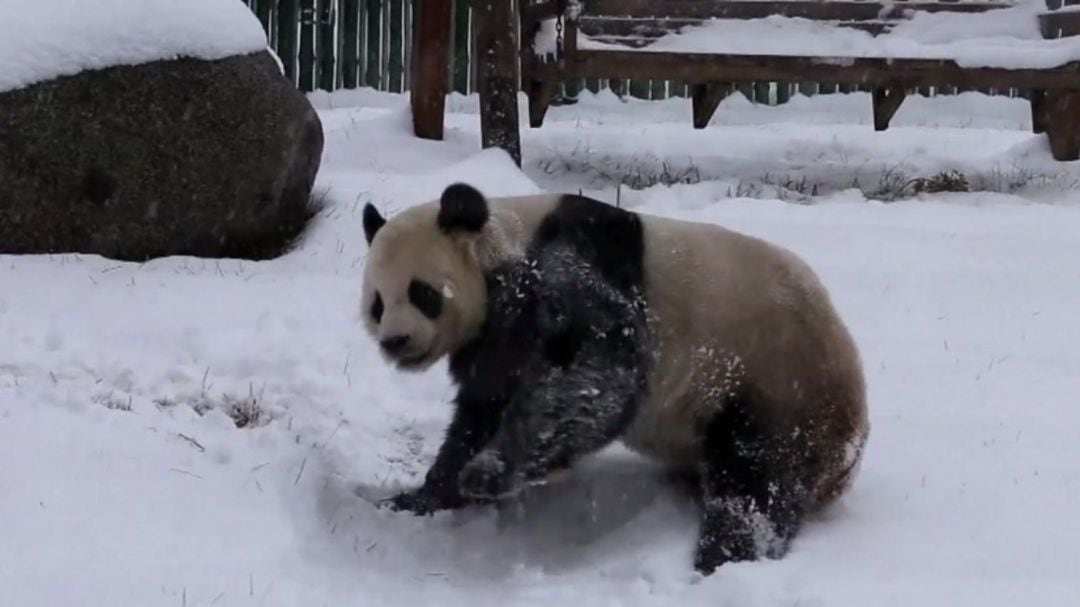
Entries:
{"x":350,"y":43}
{"x":288,"y":18}
{"x":271,"y":25}
{"x":659,"y":89}
{"x":639,"y":89}
{"x":431,"y":55}
{"x":783,"y":92}
{"x":326,"y":57}
{"x":572,"y":88}
{"x":373,"y":43}
{"x":306,"y":69}
{"x":262,"y":11}
{"x":497,"y":76}
{"x":763,"y":93}
{"x":395,"y":67}
{"x":407,"y":31}
{"x":384,"y":50}
{"x":461,"y":46}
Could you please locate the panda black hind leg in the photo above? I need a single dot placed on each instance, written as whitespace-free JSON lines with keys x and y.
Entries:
{"x":753,"y":501}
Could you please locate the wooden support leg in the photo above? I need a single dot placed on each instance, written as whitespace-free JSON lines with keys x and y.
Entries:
{"x":541,"y":93}
{"x":1038,"y":111}
{"x":497,"y":76}
{"x":1062,"y":114}
{"x":886,"y":101}
{"x":431,"y":49}
{"x":705,"y":99}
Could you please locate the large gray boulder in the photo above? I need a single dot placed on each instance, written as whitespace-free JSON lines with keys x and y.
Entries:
{"x":179,"y":157}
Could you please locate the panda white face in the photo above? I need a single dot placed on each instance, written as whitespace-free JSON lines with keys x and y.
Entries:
{"x":424,"y":294}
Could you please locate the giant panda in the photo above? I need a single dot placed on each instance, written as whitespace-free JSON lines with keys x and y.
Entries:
{"x":569,"y":324}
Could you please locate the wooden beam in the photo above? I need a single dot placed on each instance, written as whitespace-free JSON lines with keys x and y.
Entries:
{"x":697,"y":68}
{"x":758,"y":9}
{"x":705,"y":98}
{"x":431,"y":57}
{"x":496,"y":75}
{"x":886,"y":100}
{"x":1062,"y":111}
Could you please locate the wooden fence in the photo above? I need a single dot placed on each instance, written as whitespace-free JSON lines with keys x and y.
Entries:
{"x":345,"y":44}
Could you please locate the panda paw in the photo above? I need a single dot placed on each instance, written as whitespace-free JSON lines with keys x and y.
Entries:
{"x":417,"y":501}
{"x":715,"y":551}
{"x":487,"y":476}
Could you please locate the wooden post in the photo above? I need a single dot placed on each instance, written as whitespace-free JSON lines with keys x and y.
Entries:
{"x":497,"y":77}
{"x":431,"y":56}
{"x":886,"y":100}
{"x":1038,"y":111}
{"x":1062,"y":116}
{"x":705,"y":98}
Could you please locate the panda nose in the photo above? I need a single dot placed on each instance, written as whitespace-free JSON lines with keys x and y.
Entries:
{"x":395,"y":344}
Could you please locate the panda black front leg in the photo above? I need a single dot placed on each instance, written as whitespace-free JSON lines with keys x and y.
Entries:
{"x":473,"y":425}
{"x":753,"y":503}
{"x":584,"y":386}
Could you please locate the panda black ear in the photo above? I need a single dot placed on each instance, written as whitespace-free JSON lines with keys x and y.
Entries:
{"x":462,"y":207}
{"x":372,"y":221}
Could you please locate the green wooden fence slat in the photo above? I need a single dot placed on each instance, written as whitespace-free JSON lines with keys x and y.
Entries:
{"x":659,"y":89}
{"x":783,"y":92}
{"x":326,"y":57}
{"x":373,"y":41}
{"x":396,"y":65}
{"x":640,"y":89}
{"x":262,"y":10}
{"x":288,"y":16}
{"x":350,"y":44}
{"x":461,"y":46}
{"x":571,"y":88}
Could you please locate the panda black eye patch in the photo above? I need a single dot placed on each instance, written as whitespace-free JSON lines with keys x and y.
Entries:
{"x":425,"y":298}
{"x":377,"y":307}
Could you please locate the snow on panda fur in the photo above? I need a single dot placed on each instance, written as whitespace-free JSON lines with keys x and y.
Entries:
{"x":570,"y":324}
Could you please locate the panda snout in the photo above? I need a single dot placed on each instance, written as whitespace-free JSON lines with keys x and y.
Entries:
{"x":396,"y":344}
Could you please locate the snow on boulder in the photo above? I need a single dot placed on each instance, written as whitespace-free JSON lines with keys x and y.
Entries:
{"x":45,"y":39}
{"x":136,"y":129}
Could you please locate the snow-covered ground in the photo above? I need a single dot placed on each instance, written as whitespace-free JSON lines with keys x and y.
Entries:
{"x":126,"y":481}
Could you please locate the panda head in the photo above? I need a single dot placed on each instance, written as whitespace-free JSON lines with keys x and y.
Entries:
{"x":424,"y":292}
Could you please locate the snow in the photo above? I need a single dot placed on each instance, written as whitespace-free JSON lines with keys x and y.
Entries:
{"x":46,"y":39}
{"x":963,"y":306}
{"x":1003,"y":38}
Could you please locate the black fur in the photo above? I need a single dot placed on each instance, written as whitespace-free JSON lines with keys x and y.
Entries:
{"x":574,"y":352}
{"x":748,"y":473}
{"x":560,"y":365}
{"x":373,"y":221}
{"x":377,"y":308}
{"x":425,"y":298}
{"x":608,"y":238}
{"x":462,"y":207}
